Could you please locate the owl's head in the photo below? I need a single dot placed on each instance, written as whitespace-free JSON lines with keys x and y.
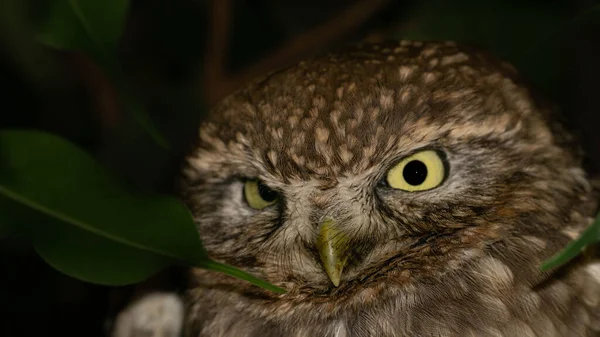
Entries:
{"x":384,"y":165}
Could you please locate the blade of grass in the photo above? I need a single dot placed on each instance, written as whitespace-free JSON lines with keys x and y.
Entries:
{"x":574,"y":248}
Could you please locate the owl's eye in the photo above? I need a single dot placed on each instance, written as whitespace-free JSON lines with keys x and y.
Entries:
{"x":259,"y":195}
{"x":419,"y":172}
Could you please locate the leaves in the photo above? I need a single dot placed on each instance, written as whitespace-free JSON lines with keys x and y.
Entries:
{"x":91,"y":26}
{"x":58,"y":180}
{"x":87,"y":224}
{"x":95,"y":27}
{"x":574,"y":248}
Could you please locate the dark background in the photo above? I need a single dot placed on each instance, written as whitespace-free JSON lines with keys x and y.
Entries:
{"x":181,"y":56}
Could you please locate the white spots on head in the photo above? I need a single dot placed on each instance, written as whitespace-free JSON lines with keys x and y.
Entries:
{"x":265,"y":109}
{"x":351,"y":141}
{"x":428,"y":52}
{"x":320,"y":169}
{"x":406,"y":72}
{"x":351,"y":87}
{"x":429,"y":77}
{"x":339,"y":92}
{"x":368,"y":152}
{"x":321,"y":135}
{"x":494,"y":273}
{"x":456,"y":58}
{"x":334,"y":117}
{"x":467,"y":70}
{"x":319,"y":102}
{"x":386,"y":99}
{"x":209,"y":138}
{"x":304,"y":103}
{"x":272,"y":155}
{"x":572,"y":233}
{"x":374,"y":113}
{"x":399,"y":50}
{"x":373,"y":61}
{"x":249,"y":109}
{"x":351,"y":125}
{"x":293,"y":121}
{"x":338,"y":127}
{"x":406,"y":93}
{"x":241,"y":139}
{"x":345,"y":154}
{"x":277,"y":133}
{"x":313,"y":113}
{"x":298,"y":140}
{"x":379,"y":136}
{"x":323,"y":148}
{"x":298,"y":159}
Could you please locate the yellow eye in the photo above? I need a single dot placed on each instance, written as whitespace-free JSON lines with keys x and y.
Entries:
{"x":259,"y":195}
{"x":419,"y":172}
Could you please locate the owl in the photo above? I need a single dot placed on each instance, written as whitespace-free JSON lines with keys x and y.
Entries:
{"x":396,"y":189}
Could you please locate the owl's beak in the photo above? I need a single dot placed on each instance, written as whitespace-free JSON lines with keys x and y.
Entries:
{"x":333,"y":250}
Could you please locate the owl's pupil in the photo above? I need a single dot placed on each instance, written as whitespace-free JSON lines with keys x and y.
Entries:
{"x":266,"y":193}
{"x":415,"y":172}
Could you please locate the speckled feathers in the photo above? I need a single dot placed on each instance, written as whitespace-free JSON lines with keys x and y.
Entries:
{"x":458,"y":260}
{"x":340,"y":114}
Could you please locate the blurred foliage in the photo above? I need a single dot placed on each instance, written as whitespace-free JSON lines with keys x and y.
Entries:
{"x":95,"y":28}
{"x":93,"y":228}
{"x":92,"y":26}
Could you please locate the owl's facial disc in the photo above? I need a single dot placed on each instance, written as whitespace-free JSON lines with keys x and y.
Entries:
{"x":333,"y":246}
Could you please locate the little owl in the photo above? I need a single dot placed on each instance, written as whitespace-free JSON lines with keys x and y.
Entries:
{"x":397,"y":189}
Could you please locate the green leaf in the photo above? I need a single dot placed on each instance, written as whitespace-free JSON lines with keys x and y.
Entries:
{"x":589,"y":236}
{"x":92,"y":258}
{"x":140,"y":115}
{"x":54,"y":177}
{"x":95,"y":27}
{"x":87,"y":224}
{"x":92,"y":26}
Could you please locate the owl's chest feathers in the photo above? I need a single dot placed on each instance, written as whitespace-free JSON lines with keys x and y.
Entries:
{"x":565,"y":306}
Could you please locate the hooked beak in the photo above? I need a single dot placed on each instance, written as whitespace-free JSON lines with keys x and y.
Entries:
{"x":333,"y":246}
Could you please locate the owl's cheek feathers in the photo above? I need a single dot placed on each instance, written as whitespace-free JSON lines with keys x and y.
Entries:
{"x":489,"y":301}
